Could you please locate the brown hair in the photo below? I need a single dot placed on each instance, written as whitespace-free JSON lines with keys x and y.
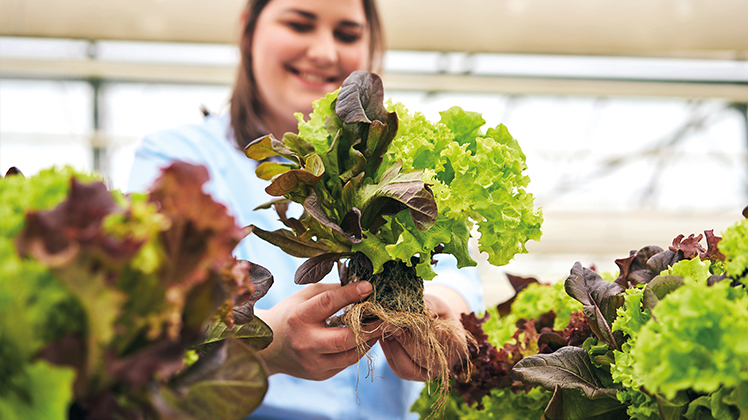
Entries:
{"x":246,"y":106}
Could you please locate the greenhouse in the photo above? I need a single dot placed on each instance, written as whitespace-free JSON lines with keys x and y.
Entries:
{"x":360,"y":209}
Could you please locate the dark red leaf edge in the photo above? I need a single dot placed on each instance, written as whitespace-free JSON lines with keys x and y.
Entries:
{"x":352,"y":218}
{"x":316,"y":268}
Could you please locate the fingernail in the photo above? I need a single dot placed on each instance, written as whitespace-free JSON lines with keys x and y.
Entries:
{"x":363,"y":288}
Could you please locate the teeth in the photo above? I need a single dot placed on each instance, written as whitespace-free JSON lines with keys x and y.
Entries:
{"x":313,"y":78}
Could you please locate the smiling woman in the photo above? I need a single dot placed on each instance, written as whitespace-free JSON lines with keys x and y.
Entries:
{"x":294,"y":52}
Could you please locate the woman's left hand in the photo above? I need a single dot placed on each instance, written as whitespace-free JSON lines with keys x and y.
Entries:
{"x":399,"y":349}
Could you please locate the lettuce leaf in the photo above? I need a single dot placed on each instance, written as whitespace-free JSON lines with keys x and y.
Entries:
{"x":357,"y":155}
{"x":734,"y":245}
{"x":476,"y":178}
{"x":502,"y":403}
{"x":531,"y":302}
{"x":696,"y":339}
{"x":101,"y":294}
{"x":40,"y":391}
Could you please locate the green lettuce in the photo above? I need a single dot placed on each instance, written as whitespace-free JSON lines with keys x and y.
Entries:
{"x":734,"y":245}
{"x":531,"y":302}
{"x":476,"y":177}
{"x":670,"y":341}
{"x":39,"y":390}
{"x":696,"y":339}
{"x":376,"y":179}
{"x":502,"y":403}
{"x":101,"y":295}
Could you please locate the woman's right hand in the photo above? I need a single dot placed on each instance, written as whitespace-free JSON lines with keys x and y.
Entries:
{"x":303,"y":346}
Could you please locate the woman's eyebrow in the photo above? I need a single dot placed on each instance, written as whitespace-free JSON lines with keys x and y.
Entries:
{"x":312,"y":16}
{"x":351,"y":24}
{"x":303,"y":13}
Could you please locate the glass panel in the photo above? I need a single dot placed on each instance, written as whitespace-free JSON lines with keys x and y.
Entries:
{"x":45,"y":123}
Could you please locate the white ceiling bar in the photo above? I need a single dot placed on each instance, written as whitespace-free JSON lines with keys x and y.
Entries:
{"x":215,"y":74}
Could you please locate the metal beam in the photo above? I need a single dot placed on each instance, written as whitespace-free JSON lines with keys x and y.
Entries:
{"x":11,"y":67}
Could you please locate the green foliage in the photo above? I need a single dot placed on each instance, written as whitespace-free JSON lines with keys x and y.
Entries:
{"x":30,"y":319}
{"x":110,"y":291}
{"x":734,"y":245}
{"x":669,"y":344}
{"x":501,"y":404}
{"x":40,"y":192}
{"x":313,"y":130}
{"x":529,"y":303}
{"x":688,"y":342}
{"x":631,"y":316}
{"x":696,"y":340}
{"x":476,"y":177}
{"x":392,"y":185}
{"x":39,"y":390}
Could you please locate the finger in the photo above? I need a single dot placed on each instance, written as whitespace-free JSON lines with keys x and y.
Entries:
{"x":312,"y":290}
{"x":341,"y":340}
{"x":401,"y":362}
{"x":325,"y":304}
{"x":436,"y":306}
{"x":340,"y":361}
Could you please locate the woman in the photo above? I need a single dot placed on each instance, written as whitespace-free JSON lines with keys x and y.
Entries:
{"x":294,"y":52}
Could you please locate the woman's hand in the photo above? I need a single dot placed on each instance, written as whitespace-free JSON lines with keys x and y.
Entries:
{"x":400,"y":351}
{"x":303,"y":346}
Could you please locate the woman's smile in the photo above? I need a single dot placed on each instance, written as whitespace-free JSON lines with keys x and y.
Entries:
{"x":303,"y":49}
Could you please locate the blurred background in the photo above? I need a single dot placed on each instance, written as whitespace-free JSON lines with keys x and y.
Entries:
{"x":632,"y":114}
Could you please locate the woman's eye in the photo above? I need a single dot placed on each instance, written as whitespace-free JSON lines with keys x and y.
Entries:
{"x":300,"y":27}
{"x":347,"y":38}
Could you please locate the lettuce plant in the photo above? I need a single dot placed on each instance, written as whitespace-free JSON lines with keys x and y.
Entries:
{"x":383,"y":190}
{"x":667,"y":332}
{"x":663,"y":340}
{"x":102,"y":295}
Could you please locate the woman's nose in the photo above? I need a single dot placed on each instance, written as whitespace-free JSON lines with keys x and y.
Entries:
{"x":323,"y":50}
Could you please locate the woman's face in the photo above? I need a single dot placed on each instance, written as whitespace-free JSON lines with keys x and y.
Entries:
{"x":303,"y":49}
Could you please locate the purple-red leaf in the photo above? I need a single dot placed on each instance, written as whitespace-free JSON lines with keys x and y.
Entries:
{"x":489,"y":367}
{"x":227,"y":383}
{"x":634,"y":268}
{"x":293,"y":223}
{"x":600,"y":298}
{"x":289,"y":181}
{"x":316,"y":268}
{"x":261,"y":280}
{"x":290,"y":243}
{"x":569,"y":368}
{"x":202,"y":233}
{"x":57,"y":236}
{"x":712,"y":251}
{"x":351,"y":225}
{"x":405,"y":188}
{"x":360,"y":99}
{"x":352,"y":219}
{"x":14,"y":171}
{"x":690,"y":246}
{"x":268,"y":146}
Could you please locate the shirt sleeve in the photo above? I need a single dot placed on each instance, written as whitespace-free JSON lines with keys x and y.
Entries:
{"x":464,"y":281}
{"x":157,"y":151}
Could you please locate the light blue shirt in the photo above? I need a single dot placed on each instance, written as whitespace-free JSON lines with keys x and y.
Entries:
{"x":349,"y":395}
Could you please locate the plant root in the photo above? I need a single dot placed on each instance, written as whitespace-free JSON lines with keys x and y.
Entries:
{"x":397,"y":301}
